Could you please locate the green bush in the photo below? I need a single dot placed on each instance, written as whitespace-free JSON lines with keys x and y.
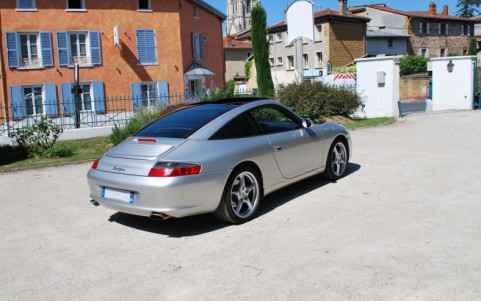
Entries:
{"x":38,"y":137}
{"x":221,"y":93}
{"x":59,"y":151}
{"x":141,"y":118}
{"x":473,"y":46}
{"x":318,"y":101}
{"x":413,"y":64}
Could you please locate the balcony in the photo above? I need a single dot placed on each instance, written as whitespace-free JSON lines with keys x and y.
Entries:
{"x":31,"y":63}
{"x":80,"y":60}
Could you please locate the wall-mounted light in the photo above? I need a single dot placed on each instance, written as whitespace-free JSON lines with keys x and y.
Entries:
{"x":450,"y":66}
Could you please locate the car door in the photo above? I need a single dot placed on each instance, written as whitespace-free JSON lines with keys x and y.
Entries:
{"x":297,"y":150}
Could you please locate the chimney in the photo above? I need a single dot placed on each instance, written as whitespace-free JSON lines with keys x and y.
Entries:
{"x":445,"y":10}
{"x":343,"y":7}
{"x":432,"y":9}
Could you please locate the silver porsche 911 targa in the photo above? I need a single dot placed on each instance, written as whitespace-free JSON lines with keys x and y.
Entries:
{"x":221,"y":157}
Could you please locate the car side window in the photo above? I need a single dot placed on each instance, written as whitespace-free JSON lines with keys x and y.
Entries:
{"x":239,"y":127}
{"x":273,"y":120}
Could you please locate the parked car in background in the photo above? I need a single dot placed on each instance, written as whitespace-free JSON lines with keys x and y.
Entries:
{"x":221,"y":157}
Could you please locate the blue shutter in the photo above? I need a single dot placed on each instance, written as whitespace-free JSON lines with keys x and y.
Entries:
{"x":136,"y":96}
{"x":99,"y":97}
{"x":16,"y":99}
{"x":163,"y":89}
{"x":62,"y":45}
{"x":201,"y":43}
{"x":51,"y":99}
{"x":95,"y":53}
{"x":12,"y":50}
{"x":67,"y":99}
{"x":146,"y":47}
{"x":193,"y":46}
{"x":46,"y":48}
{"x":26,"y":4}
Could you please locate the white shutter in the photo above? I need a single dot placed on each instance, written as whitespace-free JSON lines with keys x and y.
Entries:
{"x":427,"y":53}
{"x":428,"y":28}
{"x":439,"y":28}
{"x":420,"y":27}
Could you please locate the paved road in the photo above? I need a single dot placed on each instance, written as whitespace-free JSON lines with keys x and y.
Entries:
{"x":405,"y":224}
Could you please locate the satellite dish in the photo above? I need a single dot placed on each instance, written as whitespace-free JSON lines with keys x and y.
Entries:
{"x":116,"y":36}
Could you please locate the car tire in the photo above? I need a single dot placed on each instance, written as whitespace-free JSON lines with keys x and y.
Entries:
{"x":241,"y":197}
{"x":337,"y":160}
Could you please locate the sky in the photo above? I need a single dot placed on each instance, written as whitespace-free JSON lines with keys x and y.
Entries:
{"x":275,"y":8}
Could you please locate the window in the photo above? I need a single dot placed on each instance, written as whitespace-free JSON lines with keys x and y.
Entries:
{"x":239,"y":127}
{"x":443,"y":29}
{"x":150,"y":94}
{"x":90,"y":98}
{"x":290,"y":62}
{"x":466,"y":30}
{"x":390,"y":42}
{"x":443,"y":52}
{"x":26,"y":5}
{"x":271,"y":61}
{"x":196,"y":12}
{"x":75,"y":4}
{"x":79,"y":47}
{"x":146,"y":47}
{"x":29,"y":49}
{"x":144,"y":5}
{"x":423,"y":52}
{"x":272,"y":120}
{"x":33,"y":100}
{"x":318,"y":33}
{"x":198,"y":46}
{"x":270,"y":38}
{"x":279,"y":61}
{"x":305,"y":60}
{"x":278,"y":37}
{"x":424,"y":28}
{"x":465,"y":51}
{"x":248,"y":6}
{"x":318,"y":59}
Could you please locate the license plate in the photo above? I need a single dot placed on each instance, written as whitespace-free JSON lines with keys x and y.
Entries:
{"x":117,"y":194}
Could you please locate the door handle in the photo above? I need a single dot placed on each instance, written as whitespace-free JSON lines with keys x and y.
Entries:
{"x":277,"y":148}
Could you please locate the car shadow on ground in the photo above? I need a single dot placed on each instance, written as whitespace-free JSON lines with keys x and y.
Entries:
{"x":201,"y":224}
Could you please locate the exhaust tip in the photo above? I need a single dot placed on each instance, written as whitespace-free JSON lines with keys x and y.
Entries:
{"x":95,"y":203}
{"x":159,"y":216}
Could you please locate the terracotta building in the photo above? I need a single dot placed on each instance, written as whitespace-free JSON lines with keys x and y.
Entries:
{"x":131,"y":48}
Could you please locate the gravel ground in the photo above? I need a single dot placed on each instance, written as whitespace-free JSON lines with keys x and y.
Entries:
{"x":405,"y":224}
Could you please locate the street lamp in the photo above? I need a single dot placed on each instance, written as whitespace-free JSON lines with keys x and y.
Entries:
{"x":450,"y":66}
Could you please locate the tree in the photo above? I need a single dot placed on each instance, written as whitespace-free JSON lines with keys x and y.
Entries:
{"x":467,"y":8}
{"x":473,"y":46}
{"x":260,"y":47}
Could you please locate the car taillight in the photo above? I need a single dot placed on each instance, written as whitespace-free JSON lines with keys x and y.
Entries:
{"x":95,"y":165}
{"x":174,"y":169}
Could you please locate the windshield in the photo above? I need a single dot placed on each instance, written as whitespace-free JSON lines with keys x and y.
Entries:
{"x":183,"y":123}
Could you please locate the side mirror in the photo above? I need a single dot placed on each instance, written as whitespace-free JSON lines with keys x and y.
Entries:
{"x":307,"y":123}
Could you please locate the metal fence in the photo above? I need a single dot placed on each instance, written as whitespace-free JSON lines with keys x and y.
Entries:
{"x":97,"y":113}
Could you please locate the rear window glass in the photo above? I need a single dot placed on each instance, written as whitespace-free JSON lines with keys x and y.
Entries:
{"x":183,"y":123}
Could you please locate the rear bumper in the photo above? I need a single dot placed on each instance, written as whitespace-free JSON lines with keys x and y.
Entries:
{"x":176,"y":197}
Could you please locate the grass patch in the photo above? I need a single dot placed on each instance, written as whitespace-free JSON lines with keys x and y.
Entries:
{"x":83,"y":150}
{"x":356,"y":123}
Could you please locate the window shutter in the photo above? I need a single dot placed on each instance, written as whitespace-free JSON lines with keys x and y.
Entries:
{"x":50,"y":93}
{"x":95,"y":52}
{"x":146,"y":47}
{"x":427,"y":53}
{"x":46,"y":48}
{"x":428,"y":31}
{"x":193,"y":46}
{"x":98,"y":96}
{"x":447,"y":29}
{"x":163,"y":89}
{"x":420,"y":27}
{"x":67,"y":99}
{"x":12,"y":50}
{"x":62,"y":45}
{"x":439,"y":28}
{"x":18,"y":106}
{"x":26,"y":4}
{"x":136,"y":96}
{"x":201,"y":43}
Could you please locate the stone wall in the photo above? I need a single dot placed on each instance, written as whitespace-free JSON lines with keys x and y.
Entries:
{"x":414,"y":86}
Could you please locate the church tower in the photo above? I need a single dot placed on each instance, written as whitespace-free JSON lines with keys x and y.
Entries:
{"x":239,"y":15}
